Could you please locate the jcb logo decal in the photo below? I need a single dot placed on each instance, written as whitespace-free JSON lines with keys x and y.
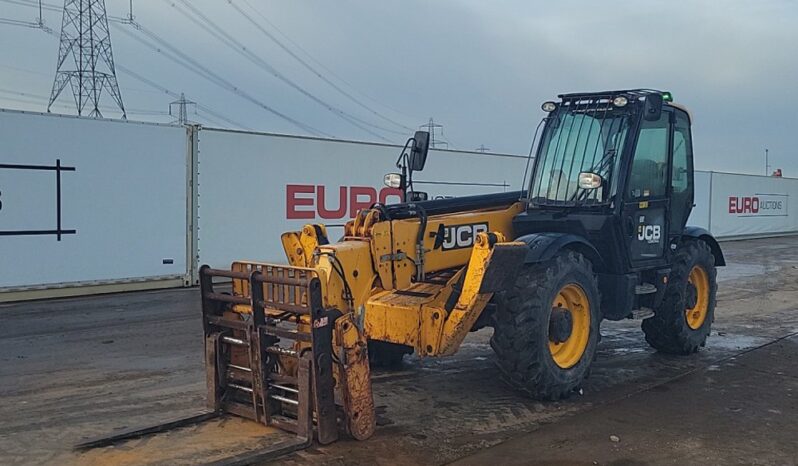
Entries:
{"x":649,"y":233}
{"x":458,"y":236}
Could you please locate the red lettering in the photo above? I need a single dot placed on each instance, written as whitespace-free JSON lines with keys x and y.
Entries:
{"x":355,"y":204}
{"x":744,"y":205}
{"x":292,"y":201}
{"x":309,"y":201}
{"x":385,"y":193}
{"x":322,"y":204}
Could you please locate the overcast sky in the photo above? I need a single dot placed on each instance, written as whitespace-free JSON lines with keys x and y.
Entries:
{"x":480,"y":68}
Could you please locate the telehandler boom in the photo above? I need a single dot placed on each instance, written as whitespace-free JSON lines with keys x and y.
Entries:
{"x":599,"y":233}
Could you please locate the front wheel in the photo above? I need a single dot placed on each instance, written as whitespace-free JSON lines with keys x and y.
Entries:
{"x":547,"y":327}
{"x":681,"y":324}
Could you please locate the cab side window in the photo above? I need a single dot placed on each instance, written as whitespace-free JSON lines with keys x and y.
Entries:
{"x":681,"y":174}
{"x":649,"y":176}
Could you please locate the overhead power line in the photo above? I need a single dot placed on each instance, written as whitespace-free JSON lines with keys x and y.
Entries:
{"x":189,"y":63}
{"x":17,"y":22}
{"x":209,"y":119}
{"x":28,"y":98}
{"x":51,"y":7}
{"x":176,"y":95}
{"x":148,"y":82}
{"x":39,"y":23}
{"x":312,"y":69}
{"x":212,"y":28}
{"x":322,"y":65}
{"x":186,"y":61}
{"x":165,"y":48}
{"x":41,"y":99}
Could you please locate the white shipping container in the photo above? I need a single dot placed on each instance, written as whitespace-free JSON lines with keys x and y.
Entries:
{"x":122,"y":201}
{"x":108,"y":202}
{"x":253,"y":186}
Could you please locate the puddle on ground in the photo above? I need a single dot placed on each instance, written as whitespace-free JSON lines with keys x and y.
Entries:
{"x":734,"y":341}
{"x":734,"y":271}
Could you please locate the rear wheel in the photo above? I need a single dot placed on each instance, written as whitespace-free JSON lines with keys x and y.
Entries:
{"x":682,"y":322}
{"x":547,"y":327}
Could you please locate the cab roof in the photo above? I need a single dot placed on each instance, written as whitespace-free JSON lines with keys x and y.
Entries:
{"x":631,"y":94}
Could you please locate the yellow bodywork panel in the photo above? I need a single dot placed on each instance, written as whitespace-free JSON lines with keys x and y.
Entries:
{"x":490,"y":269}
{"x":353,"y":260}
{"x":372,"y":274}
{"x":299,"y":246}
{"x":417,"y":316}
{"x":397,"y":316}
{"x":394,"y":242}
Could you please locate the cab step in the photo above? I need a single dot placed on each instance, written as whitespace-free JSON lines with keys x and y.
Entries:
{"x":640,"y":314}
{"x":645,"y":288}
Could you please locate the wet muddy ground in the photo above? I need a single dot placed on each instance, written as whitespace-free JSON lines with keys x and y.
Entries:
{"x":77,"y":368}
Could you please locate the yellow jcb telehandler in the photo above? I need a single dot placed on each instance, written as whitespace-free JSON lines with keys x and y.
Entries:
{"x":599,"y":232}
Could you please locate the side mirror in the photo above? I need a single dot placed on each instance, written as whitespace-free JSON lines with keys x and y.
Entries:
{"x":417,"y":196}
{"x":589,"y":180}
{"x":418,"y":153}
{"x":652,"y":107}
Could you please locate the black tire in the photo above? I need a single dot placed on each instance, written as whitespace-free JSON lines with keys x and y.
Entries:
{"x":521,"y":332}
{"x":387,"y":355}
{"x":668,"y":330}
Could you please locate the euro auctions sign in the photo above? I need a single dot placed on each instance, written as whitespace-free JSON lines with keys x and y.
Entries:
{"x":744,"y":205}
{"x":759,"y":205}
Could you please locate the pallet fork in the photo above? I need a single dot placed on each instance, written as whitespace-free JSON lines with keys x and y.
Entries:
{"x":268,"y":357}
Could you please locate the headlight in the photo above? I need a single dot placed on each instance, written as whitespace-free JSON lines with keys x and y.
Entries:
{"x":620,"y":101}
{"x":549,"y":107}
{"x":589,"y":180}
{"x":393,"y":180}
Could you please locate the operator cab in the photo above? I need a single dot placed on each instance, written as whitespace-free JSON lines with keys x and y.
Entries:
{"x":616,"y":168}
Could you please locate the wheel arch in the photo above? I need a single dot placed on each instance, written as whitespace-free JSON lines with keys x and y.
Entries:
{"x":703,"y":234}
{"x":543,"y":246}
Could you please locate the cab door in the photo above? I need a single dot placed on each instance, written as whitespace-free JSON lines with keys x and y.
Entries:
{"x":646,"y":205}
{"x":682,"y":182}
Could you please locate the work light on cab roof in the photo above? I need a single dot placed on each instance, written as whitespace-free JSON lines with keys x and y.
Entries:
{"x":620,"y":101}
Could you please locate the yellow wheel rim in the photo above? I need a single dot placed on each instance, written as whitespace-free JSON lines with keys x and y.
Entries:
{"x":567,"y":353}
{"x":696,"y":315}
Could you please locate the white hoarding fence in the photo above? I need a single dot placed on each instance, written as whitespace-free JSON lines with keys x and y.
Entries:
{"x":85,"y":201}
{"x":746,"y":205}
{"x":253,"y":187}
